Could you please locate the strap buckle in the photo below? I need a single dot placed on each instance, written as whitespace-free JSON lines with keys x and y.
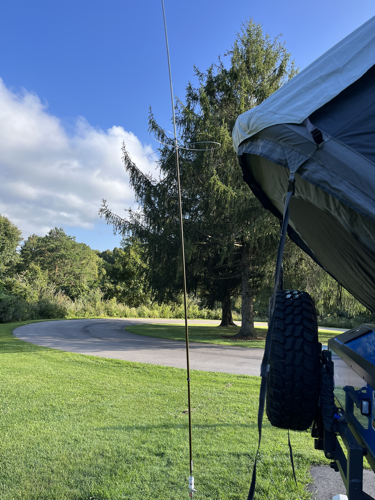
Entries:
{"x":317,"y":136}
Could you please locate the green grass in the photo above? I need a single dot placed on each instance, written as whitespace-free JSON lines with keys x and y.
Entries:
{"x":210,"y":334}
{"x":78,"y":427}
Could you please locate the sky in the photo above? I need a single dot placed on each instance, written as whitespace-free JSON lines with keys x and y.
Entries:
{"x":77,"y":78}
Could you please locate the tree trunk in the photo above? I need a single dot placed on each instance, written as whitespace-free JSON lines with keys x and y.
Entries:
{"x":247,"y":312}
{"x":226,"y":312}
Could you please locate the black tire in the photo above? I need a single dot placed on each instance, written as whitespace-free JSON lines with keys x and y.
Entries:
{"x":293,"y":377}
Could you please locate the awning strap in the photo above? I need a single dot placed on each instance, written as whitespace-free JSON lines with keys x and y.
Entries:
{"x":264,"y":368}
{"x":315,"y":132}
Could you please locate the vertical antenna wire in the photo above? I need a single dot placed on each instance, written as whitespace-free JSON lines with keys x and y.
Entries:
{"x":191,"y":478}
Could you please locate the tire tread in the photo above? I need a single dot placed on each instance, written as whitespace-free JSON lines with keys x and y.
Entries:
{"x":292,"y":384}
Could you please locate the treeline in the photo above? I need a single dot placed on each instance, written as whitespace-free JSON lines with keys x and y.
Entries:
{"x":53,"y":276}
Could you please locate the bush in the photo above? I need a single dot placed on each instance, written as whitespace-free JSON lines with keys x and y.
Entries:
{"x":335,"y":321}
{"x":53,"y":304}
{"x":47,"y":308}
{"x":13,"y":308}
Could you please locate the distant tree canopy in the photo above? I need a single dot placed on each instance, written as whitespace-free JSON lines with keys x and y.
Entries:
{"x":10,"y":238}
{"x":125,"y":276}
{"x":229,"y":237}
{"x":70,"y":266}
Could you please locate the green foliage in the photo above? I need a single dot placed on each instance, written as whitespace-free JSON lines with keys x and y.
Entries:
{"x":126,"y":274}
{"x":227,"y":233}
{"x":52,"y":265}
{"x":13,"y":308}
{"x":53,"y":304}
{"x":93,"y":305}
{"x":10,"y":238}
{"x":72,"y":267}
{"x":50,"y":305}
{"x":29,"y":285}
{"x":330,"y":298}
{"x":29,"y":295}
{"x":125,"y":292}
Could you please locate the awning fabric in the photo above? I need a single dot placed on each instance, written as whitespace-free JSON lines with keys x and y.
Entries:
{"x":316,"y":85}
{"x":332,"y":213}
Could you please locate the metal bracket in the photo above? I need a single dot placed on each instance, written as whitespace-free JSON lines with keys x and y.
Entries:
{"x":350,"y":467}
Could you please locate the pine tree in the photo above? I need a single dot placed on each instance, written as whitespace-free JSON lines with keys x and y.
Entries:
{"x":229,"y":236}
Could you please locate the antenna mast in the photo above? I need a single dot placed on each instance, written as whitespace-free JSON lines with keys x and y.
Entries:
{"x":191,"y":478}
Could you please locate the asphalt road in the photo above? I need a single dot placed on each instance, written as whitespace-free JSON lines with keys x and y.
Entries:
{"x":327,"y":483}
{"x":108,"y":338}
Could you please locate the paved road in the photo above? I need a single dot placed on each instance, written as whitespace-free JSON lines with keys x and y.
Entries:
{"x":327,"y":483}
{"x":108,"y":338}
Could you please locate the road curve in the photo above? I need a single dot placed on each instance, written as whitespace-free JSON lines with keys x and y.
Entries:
{"x":108,"y":338}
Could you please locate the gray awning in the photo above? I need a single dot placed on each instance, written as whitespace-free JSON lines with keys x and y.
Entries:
{"x":332,"y":213}
{"x":321,"y":126}
{"x":316,"y":85}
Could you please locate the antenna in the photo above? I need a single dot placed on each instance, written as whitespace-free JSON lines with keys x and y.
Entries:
{"x":197,"y":147}
{"x":191,"y":477}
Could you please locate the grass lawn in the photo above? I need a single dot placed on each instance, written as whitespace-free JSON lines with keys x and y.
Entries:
{"x":210,"y":334}
{"x":78,"y":427}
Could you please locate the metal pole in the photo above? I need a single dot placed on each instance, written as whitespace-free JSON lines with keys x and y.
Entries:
{"x":191,"y":479}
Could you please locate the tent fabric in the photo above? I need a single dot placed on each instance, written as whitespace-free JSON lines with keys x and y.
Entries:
{"x":350,"y":116}
{"x":332,"y":213}
{"x":316,"y":85}
{"x":331,"y":218}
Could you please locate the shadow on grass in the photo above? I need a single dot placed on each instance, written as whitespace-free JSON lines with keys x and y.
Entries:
{"x":128,"y":428}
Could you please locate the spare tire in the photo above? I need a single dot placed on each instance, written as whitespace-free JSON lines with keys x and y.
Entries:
{"x":293,"y":377}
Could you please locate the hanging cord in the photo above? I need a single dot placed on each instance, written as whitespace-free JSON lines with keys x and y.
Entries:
{"x":291,"y":458}
{"x":191,"y":478}
{"x":264,"y":368}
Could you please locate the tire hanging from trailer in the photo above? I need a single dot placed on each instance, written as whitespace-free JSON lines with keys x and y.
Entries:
{"x":293,"y":378}
{"x":265,"y":365}
{"x":290,"y":367}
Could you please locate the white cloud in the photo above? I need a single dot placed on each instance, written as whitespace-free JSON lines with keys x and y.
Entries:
{"x":48,"y":178}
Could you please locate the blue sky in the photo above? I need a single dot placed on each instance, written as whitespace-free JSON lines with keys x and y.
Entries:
{"x":78,"y":77}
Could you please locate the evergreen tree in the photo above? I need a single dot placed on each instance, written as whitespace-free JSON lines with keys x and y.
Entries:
{"x":229,"y":237}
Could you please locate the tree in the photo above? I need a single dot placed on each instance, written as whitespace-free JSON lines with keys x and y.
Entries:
{"x":126,"y":274}
{"x":10,"y":238}
{"x":72,"y":267}
{"x":259,"y":66}
{"x":229,"y":237}
{"x":302,"y":273}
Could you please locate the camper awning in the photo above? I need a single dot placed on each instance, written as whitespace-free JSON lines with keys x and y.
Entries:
{"x":321,"y":126}
{"x":316,"y":85}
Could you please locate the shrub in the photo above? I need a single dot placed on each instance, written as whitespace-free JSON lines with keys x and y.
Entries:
{"x":13,"y":308}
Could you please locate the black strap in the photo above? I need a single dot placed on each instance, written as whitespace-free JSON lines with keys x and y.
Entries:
{"x":265,"y":361}
{"x":291,"y":458}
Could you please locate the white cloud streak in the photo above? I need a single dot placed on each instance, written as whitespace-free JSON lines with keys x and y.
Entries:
{"x":49,"y":178}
